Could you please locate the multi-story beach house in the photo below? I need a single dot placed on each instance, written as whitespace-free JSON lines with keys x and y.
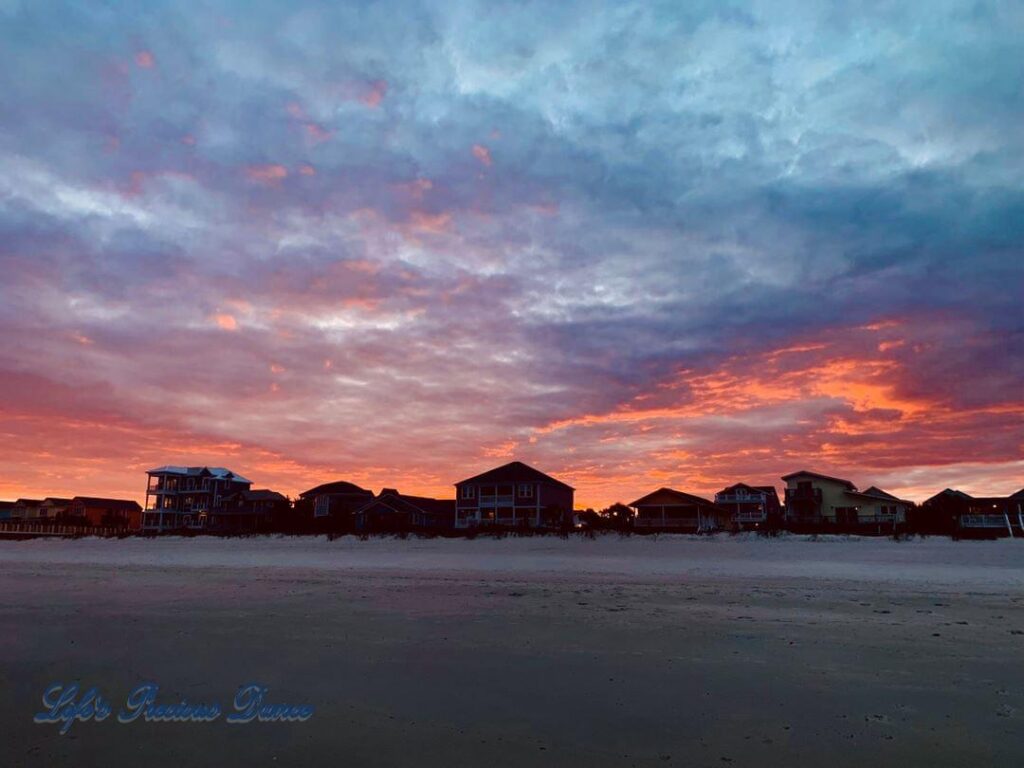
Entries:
{"x":751,"y":506}
{"x":513,"y":494}
{"x":185,"y":497}
{"x":814,"y":501}
{"x":667,"y":509}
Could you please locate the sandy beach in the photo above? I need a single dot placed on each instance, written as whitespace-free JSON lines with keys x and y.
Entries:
{"x":518,"y":652}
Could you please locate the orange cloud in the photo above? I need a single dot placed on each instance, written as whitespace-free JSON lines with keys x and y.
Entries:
{"x":225,"y":322}
{"x":145,"y":59}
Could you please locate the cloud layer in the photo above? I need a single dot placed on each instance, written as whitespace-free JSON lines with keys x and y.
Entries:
{"x":635,"y":244}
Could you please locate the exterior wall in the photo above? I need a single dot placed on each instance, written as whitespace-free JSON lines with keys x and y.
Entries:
{"x":528,"y":503}
{"x":691,"y":518}
{"x":833,"y":494}
{"x":100,"y":515}
{"x":882,"y":510}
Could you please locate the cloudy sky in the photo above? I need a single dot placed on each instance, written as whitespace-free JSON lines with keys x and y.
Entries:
{"x":635,"y":244}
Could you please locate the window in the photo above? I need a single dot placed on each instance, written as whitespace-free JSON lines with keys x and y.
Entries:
{"x":526,"y":490}
{"x":322,"y":506}
{"x":469,"y":492}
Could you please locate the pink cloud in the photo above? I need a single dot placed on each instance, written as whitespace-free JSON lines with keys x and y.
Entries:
{"x":375,"y":95}
{"x":266,"y":174}
{"x":145,"y":59}
{"x":316,"y":133}
{"x":482,"y":153}
{"x":307,"y":170}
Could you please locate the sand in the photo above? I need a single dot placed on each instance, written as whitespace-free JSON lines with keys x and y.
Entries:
{"x":520,"y":652}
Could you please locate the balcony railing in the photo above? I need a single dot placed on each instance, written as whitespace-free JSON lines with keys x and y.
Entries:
{"x":750,"y":517}
{"x":668,"y":522}
{"x":803,"y":494}
{"x":982,"y":521}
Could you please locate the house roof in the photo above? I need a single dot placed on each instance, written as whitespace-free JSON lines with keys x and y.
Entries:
{"x":219,"y":472}
{"x":949,"y":492}
{"x":851,"y":486}
{"x":56,"y":500}
{"x":338,"y":486}
{"x":877,"y":495}
{"x":389,"y":497}
{"x":770,"y":489}
{"x":682,"y":497}
{"x":95,"y":501}
{"x":261,"y":494}
{"x":29,"y":502}
{"x":1018,"y":495}
{"x":7,"y":504}
{"x":514,"y":472}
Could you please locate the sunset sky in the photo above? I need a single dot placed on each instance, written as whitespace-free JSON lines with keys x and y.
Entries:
{"x":633,"y":244}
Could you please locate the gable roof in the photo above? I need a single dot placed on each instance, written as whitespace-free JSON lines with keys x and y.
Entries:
{"x":769,"y":489}
{"x":874,"y":490}
{"x":391,"y":498}
{"x":338,"y":486}
{"x":260,"y":494}
{"x":1018,"y":495}
{"x":221,"y":473}
{"x":847,"y":483}
{"x":95,"y":501}
{"x":514,"y":472}
{"x":52,"y":500}
{"x":682,"y":497}
{"x":949,"y":492}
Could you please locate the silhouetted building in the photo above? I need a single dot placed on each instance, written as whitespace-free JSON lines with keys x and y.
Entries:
{"x":751,"y":506}
{"x":185,"y":497}
{"x":332,"y":505}
{"x":960,"y":514}
{"x":513,"y":494}
{"x":52,"y":508}
{"x":817,"y":501}
{"x":107,"y":513}
{"x":26,"y":509}
{"x":667,"y":509}
{"x":394,"y":511}
{"x":251,"y":512}
{"x":6,"y":507}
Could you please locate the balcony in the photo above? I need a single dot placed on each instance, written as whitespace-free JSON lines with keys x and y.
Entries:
{"x":739,"y":498}
{"x":804,"y":495}
{"x":497,"y":501}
